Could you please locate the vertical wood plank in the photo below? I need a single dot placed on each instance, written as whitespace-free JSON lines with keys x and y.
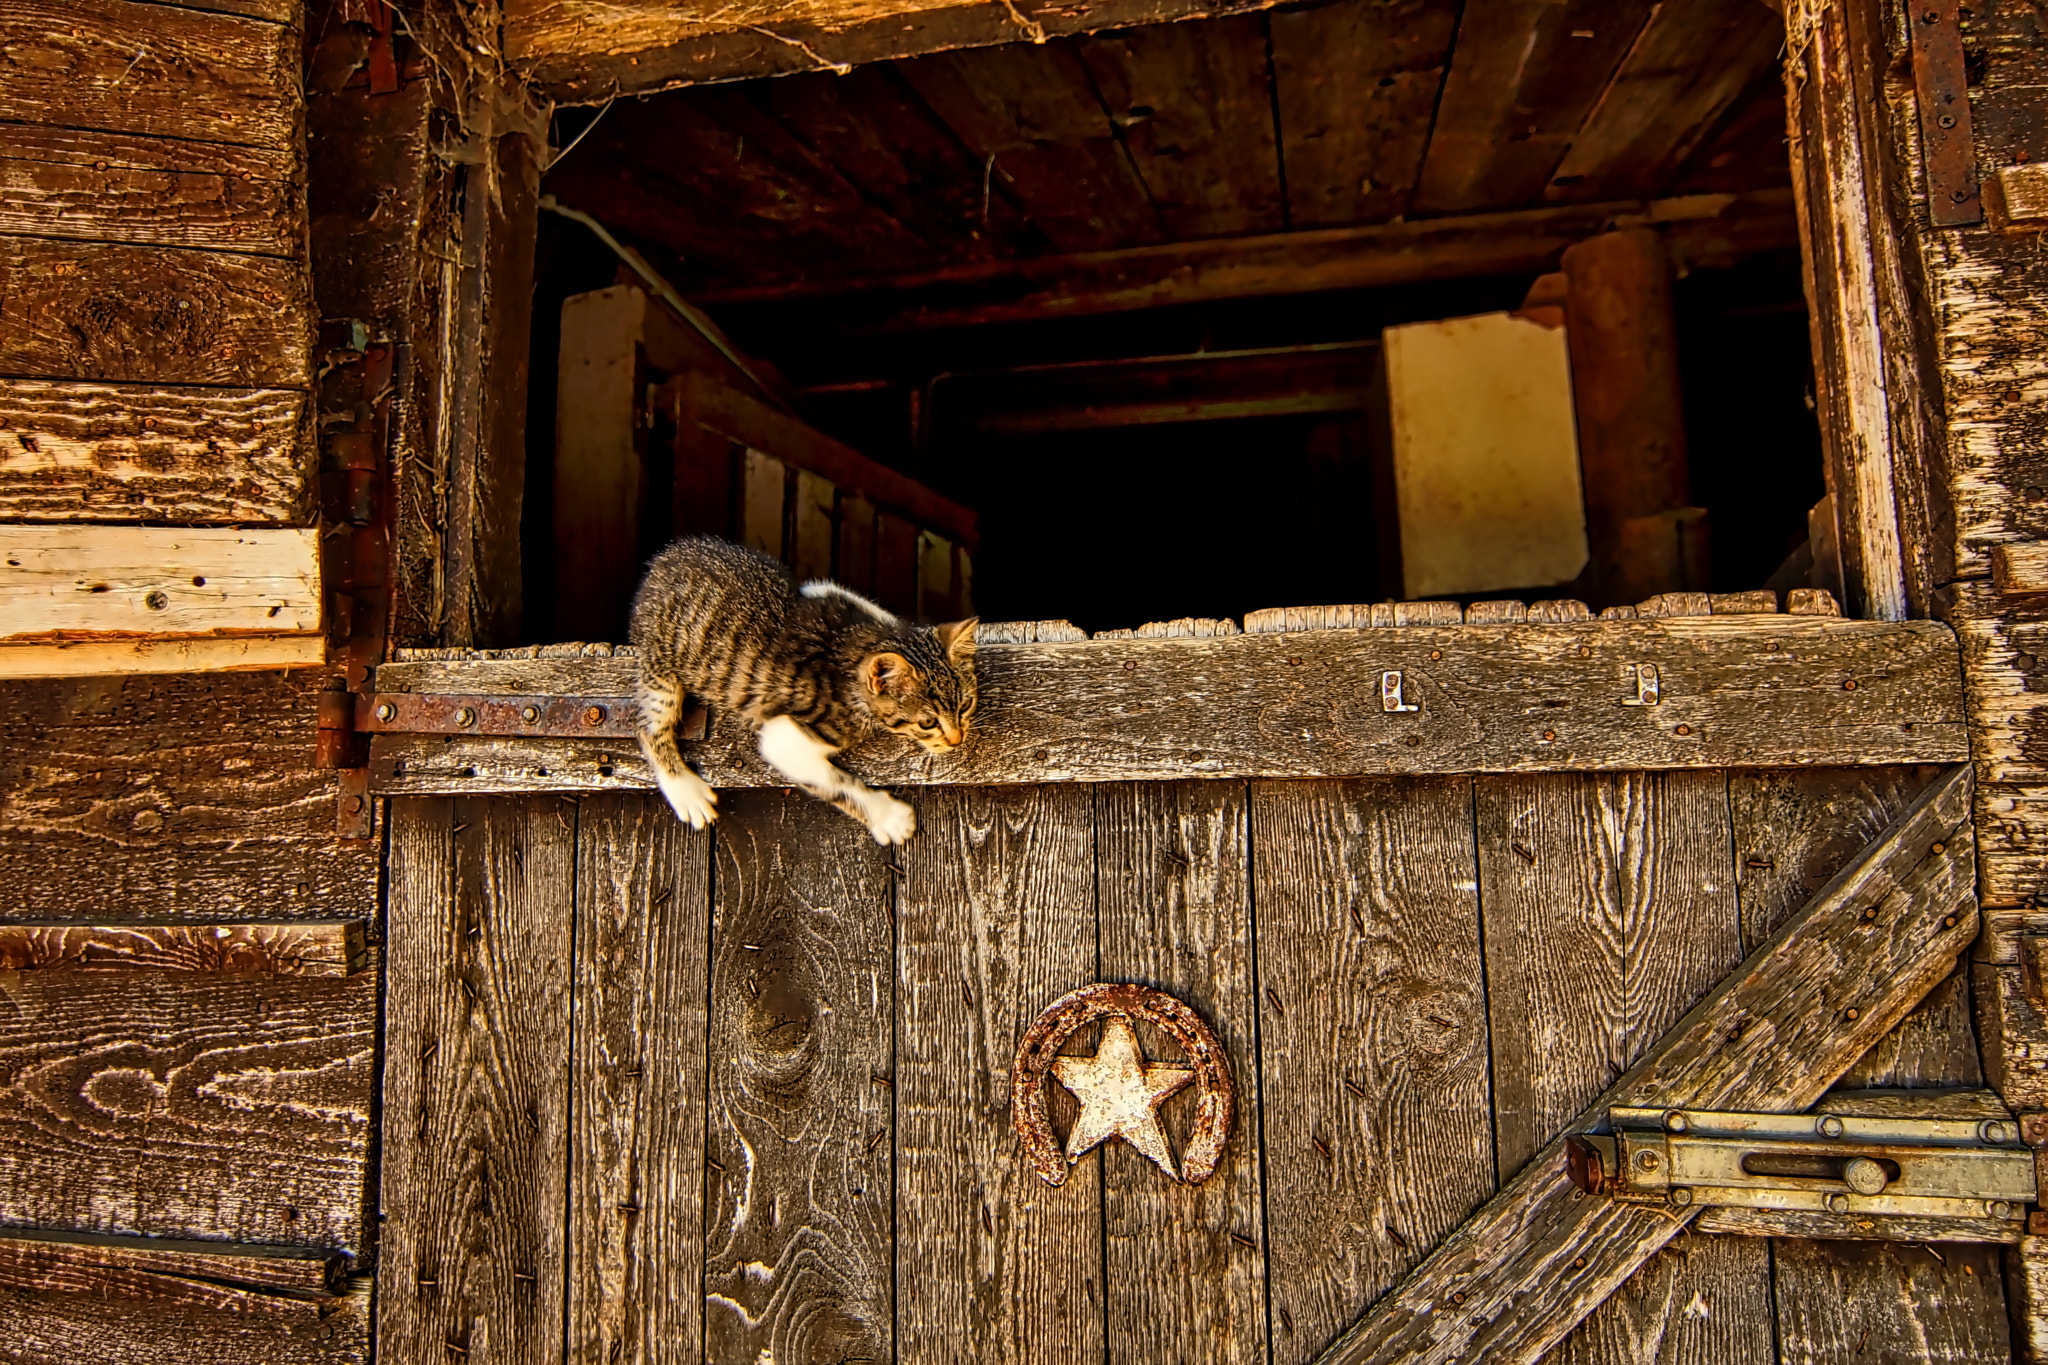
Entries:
{"x":600,"y":474}
{"x":703,"y":470}
{"x":798,"y":1215}
{"x":857,"y":544}
{"x":1186,"y":1269}
{"x":1610,"y":907}
{"x":476,"y":1079}
{"x":766,"y":489}
{"x":896,"y":564}
{"x":636,"y":1180}
{"x":997,"y":921}
{"x":934,"y":577}
{"x":1859,"y":1302}
{"x":811,"y":527}
{"x":1372,"y":1039}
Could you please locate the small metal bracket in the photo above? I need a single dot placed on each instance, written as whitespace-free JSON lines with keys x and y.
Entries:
{"x":1649,"y":686}
{"x":536,"y":717}
{"x":1941,"y":85}
{"x":1817,"y":1163}
{"x":1390,"y":692}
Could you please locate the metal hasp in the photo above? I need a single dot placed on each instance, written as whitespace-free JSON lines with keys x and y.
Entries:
{"x":1813,"y":1163}
{"x":550,"y":717}
{"x":1941,"y":84}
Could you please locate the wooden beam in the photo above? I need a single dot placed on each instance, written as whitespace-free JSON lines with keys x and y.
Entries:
{"x":333,"y":948}
{"x":83,"y":582}
{"x":1699,"y":229}
{"x":1760,"y":691}
{"x":1539,"y":1256}
{"x":176,"y":654}
{"x":47,"y":1260}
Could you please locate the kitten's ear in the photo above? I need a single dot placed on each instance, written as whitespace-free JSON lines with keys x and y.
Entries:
{"x":958,"y":638}
{"x":885,"y":673}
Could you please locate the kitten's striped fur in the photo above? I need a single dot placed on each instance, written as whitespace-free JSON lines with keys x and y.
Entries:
{"x":814,"y":668}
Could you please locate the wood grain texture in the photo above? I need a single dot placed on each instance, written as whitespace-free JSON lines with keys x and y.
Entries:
{"x":1865,"y":1301}
{"x":2013,"y":1027}
{"x":69,"y":582}
{"x":2026,"y":1271}
{"x":331,"y":949}
{"x":1373,"y":1039}
{"x":1773,"y":1035}
{"x":128,"y":67}
{"x":116,"y":187}
{"x":129,"y":452}
{"x":1186,"y":1267}
{"x":1849,"y":1227}
{"x":153,"y":315}
{"x":172,"y":798}
{"x":996,"y":920}
{"x":72,"y":659}
{"x":636,"y":1174}
{"x":1610,"y":909}
{"x":798,"y":1209}
{"x":1761,"y":691}
{"x":1357,"y":87}
{"x":179,"y":1104}
{"x":475,"y":1156}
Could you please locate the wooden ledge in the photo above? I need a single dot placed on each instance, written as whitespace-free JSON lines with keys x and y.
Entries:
{"x":1729,"y":691}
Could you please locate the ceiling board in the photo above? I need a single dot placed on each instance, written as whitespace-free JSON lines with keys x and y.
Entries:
{"x":1689,"y":65}
{"x":1035,"y":111}
{"x":1747,"y":148}
{"x":1524,"y":75}
{"x":1195,"y":102}
{"x":1357,"y":86}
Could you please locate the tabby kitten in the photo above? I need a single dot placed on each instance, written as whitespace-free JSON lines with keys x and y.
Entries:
{"x":813,"y":668}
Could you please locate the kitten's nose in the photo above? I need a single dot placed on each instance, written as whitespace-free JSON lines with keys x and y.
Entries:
{"x":951,"y":734}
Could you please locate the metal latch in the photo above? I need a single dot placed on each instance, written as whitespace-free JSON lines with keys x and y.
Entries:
{"x":1820,"y":1163}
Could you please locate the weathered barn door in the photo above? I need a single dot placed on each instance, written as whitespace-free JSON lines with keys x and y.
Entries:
{"x":750,"y":1088}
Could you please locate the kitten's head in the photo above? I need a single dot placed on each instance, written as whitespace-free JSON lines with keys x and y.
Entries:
{"x":920,"y":684}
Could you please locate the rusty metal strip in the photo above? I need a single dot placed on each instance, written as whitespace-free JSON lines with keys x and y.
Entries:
{"x":535,"y":717}
{"x":1941,"y":82}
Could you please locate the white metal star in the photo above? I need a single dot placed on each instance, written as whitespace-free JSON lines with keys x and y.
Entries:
{"x":1119,"y":1090}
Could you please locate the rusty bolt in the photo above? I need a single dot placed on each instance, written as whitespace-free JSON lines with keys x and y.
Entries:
{"x":593,"y":715}
{"x":1585,"y":651}
{"x":1852,"y":1014}
{"x":1436,"y":654}
{"x":1948,"y":922}
{"x":1828,"y":1126}
{"x":1685,"y":729}
{"x":1946,"y":121}
{"x":466,"y":716}
{"x":156,"y":600}
{"x":1995,"y":1130}
{"x":1865,"y":1176}
{"x":1680,"y":1195}
{"x":386,"y":711}
{"x":1674,"y":1121}
{"x":1849,"y":685}
{"x":1458,"y":1297}
{"x":1998,"y":1208}
{"x":1647,"y":1161}
{"x":530,"y":714}
{"x":355,"y":805}
{"x":1838,"y":1203}
{"x":1937,"y":847}
{"x":1549,"y":734}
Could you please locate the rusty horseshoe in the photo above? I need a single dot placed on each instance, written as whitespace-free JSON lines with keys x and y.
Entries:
{"x":1216,"y":1099}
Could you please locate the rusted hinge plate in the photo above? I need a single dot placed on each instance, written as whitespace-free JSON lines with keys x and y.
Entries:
{"x":537,"y":717}
{"x":1947,"y":144}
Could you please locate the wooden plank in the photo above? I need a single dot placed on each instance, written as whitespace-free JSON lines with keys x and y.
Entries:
{"x":160,"y":70}
{"x":130,"y":452}
{"x":199,"y":654}
{"x":316,"y":949}
{"x":1524,"y":74}
{"x":1357,"y":86}
{"x":643,"y":924}
{"x":32,"y":1259}
{"x":1865,"y":1301}
{"x":1186,"y":1268}
{"x":1373,"y":1039}
{"x":152,"y":315}
{"x":476,"y":1080}
{"x":856,"y":544}
{"x":82,"y":581}
{"x":173,"y":798}
{"x":798,"y":1209}
{"x":811,"y":527}
{"x":1195,"y":103}
{"x":995,"y":921}
{"x":1760,"y":691}
{"x":1609,"y":911}
{"x":763,"y":503}
{"x":2020,"y":569}
{"x":1772,"y":1035}
{"x":1036,"y":112}
{"x":2027,"y":1281}
{"x":116,"y":187}
{"x":935,"y":595}
{"x":600,"y":462}
{"x":171,"y":1103}
{"x":896,"y":568}
{"x":1847,"y":1227}
{"x":85,"y":1313}
{"x":2013,"y":1022}
{"x":1086,"y":283}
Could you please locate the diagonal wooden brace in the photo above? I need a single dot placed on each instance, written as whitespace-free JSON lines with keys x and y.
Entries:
{"x":1520,"y":1273}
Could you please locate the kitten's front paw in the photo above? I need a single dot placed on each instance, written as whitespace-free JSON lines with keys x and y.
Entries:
{"x":890,"y":820}
{"x":692,"y":799}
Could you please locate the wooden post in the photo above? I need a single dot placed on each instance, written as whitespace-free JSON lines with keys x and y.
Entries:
{"x":1624,"y":350}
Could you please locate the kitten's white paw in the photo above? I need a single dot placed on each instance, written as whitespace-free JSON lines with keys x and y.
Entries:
{"x":890,"y":820}
{"x":691,"y":797}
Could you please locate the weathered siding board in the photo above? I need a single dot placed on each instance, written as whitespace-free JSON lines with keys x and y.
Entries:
{"x":128,"y":67}
{"x":130,"y":452}
{"x":474,"y":1159}
{"x":82,"y":581}
{"x":32,"y":1259}
{"x":330,"y":949}
{"x":1611,"y":908}
{"x":1372,"y":1039}
{"x":117,"y":187}
{"x":636,"y":1174}
{"x":188,"y":1104}
{"x":173,"y":798}
{"x":153,"y":315}
{"x":1882,"y":1301}
{"x":1185,"y":1274}
{"x":798,"y":1208}
{"x":996,"y":920}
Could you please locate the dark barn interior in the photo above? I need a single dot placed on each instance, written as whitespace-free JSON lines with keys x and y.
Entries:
{"x":1122,"y":296}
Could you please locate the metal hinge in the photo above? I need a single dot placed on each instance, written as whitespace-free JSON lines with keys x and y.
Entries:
{"x":1817,"y":1163}
{"x":535,"y":717}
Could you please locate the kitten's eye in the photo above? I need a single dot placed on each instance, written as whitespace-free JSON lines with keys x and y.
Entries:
{"x":927,"y":725}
